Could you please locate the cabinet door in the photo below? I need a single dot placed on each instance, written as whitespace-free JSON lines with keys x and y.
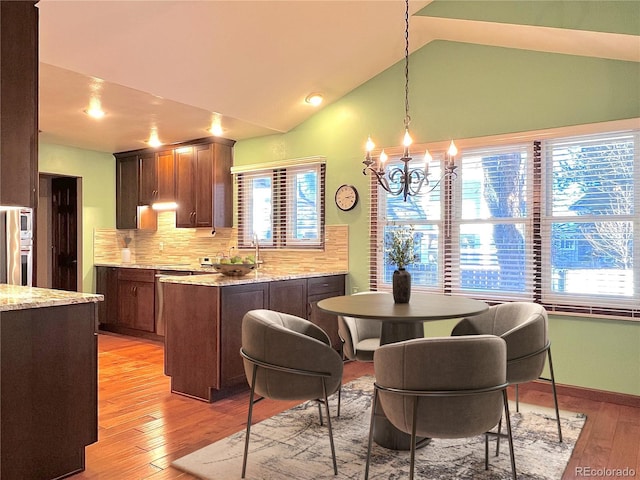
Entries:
{"x":235,"y":301}
{"x":148,"y":193}
{"x":107,"y":285}
{"x":289,"y":296}
{"x":184,"y":180}
{"x":165,"y":166}
{"x":136,"y":305}
{"x":320,"y":288}
{"x":127,"y":192}
{"x":222,"y":185}
{"x":203,"y":185}
{"x":19,"y":104}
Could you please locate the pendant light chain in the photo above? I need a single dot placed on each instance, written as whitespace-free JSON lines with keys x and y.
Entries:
{"x":407,"y":118}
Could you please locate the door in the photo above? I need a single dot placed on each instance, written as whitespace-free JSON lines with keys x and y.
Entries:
{"x":64,"y":203}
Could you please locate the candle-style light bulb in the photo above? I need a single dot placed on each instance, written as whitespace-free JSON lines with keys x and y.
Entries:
{"x":370,"y":145}
{"x":427,"y":160}
{"x":453,"y":151}
{"x":383,"y":158}
{"x":406,"y":141}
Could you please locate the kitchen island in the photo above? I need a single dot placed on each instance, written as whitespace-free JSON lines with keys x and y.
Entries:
{"x":48,"y":381}
{"x":204,"y":322}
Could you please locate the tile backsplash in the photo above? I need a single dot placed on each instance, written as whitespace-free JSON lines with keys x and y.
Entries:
{"x":169,"y":245}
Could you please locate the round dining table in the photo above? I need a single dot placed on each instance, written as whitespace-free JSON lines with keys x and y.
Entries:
{"x":400,"y":321}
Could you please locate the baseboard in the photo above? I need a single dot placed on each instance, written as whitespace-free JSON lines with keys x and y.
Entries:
{"x":586,"y":393}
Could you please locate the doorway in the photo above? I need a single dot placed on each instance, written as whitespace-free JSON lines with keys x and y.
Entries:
{"x":60,"y":229}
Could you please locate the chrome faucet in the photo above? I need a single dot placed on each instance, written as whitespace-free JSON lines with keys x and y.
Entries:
{"x":256,"y":245}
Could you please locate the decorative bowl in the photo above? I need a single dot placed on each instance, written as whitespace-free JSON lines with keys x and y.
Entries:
{"x":234,"y":269}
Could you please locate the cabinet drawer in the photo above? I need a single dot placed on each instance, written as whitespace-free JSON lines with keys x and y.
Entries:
{"x":137,"y":274}
{"x":321,"y":285}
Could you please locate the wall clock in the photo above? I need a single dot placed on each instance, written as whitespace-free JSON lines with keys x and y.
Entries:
{"x":346,"y":197}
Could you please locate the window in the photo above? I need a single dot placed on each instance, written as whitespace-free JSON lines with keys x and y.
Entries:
{"x":588,"y":223}
{"x":424,"y":213}
{"x":551,"y":220}
{"x":283,"y":206}
{"x":491,"y":235}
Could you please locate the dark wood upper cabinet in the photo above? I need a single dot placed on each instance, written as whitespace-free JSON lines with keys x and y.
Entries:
{"x":204,"y":188}
{"x":157,"y":182}
{"x":127,"y":168}
{"x":18,"y":103}
{"x":196,"y":175}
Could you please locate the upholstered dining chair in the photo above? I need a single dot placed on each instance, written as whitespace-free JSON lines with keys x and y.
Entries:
{"x":288,"y":358}
{"x":360,"y":337}
{"x":442,"y":387}
{"x":524,"y":326}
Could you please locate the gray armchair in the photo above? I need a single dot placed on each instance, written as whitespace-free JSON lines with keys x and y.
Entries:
{"x":288,"y":358}
{"x":445,"y":387}
{"x":360,"y":336}
{"x":524,"y":326}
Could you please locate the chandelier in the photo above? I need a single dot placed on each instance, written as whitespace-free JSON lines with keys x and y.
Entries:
{"x":402,"y":179}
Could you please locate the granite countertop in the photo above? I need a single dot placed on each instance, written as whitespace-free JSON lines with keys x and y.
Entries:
{"x":207,"y":276}
{"x":219,"y":280}
{"x":16,"y":297}
{"x":178,"y":267}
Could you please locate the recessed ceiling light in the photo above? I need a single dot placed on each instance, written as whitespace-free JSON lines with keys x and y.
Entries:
{"x":314,"y":99}
{"x":216,"y":125}
{"x":95,"y":108}
{"x":154,"y":141}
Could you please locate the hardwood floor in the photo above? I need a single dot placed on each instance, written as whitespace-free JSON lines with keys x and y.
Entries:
{"x":143,"y":427}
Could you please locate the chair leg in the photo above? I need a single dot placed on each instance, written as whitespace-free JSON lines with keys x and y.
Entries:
{"x":320,"y":412}
{"x":555,"y":395}
{"x":339,"y":399}
{"x":246,"y":439}
{"x":333,"y":449}
{"x":508,"y":422}
{"x":414,"y":421}
{"x":498,"y":437}
{"x":373,"y":409}
{"x":517,"y":399}
{"x":486,"y":450}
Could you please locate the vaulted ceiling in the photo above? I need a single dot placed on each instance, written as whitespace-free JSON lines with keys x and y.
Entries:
{"x":176,"y":64}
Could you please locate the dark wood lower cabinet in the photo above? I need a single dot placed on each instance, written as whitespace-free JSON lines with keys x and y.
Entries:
{"x":203,"y":332}
{"x":49,"y":384}
{"x":320,"y":288}
{"x":234,"y":303}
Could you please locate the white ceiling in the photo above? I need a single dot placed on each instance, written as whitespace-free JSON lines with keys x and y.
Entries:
{"x":175,"y":63}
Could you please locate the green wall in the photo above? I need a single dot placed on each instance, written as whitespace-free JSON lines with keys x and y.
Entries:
{"x":97,"y":170}
{"x":464,"y":91}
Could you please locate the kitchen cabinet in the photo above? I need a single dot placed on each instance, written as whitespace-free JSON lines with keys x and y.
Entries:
{"x":204,"y":327}
{"x":107,"y":285}
{"x":18,"y":104}
{"x":136,"y":299}
{"x":320,"y":288}
{"x":196,"y":175}
{"x":235,"y":301}
{"x":157,"y":178}
{"x":49,"y":383}
{"x":127,"y":168}
{"x":204,"y":189}
{"x":289,"y":296}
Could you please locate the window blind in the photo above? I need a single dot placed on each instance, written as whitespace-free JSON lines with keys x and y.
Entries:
{"x":424,"y":213}
{"x":589,"y":222}
{"x":492,"y":249}
{"x":283,"y":207}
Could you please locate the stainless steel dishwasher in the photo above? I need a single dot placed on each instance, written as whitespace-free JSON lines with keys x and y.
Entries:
{"x":160,"y":321}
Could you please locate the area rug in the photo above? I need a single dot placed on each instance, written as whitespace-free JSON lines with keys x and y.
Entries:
{"x":293,"y":445}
